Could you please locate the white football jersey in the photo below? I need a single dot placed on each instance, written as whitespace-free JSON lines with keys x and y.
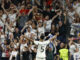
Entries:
{"x":76,"y":56}
{"x":41,"y":50}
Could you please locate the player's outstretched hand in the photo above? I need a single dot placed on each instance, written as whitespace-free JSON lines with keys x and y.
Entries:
{"x":57,"y":34}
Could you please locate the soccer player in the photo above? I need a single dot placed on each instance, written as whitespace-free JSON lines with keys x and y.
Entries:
{"x":41,"y":50}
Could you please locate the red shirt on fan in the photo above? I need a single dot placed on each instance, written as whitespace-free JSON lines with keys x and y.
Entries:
{"x":7,"y":53}
{"x":24,"y":11}
{"x":49,"y":2}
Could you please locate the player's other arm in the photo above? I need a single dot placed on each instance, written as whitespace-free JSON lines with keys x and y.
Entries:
{"x":54,"y":37}
{"x":29,"y":39}
{"x":35,"y":42}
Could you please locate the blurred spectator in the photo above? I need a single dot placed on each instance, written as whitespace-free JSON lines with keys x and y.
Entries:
{"x":64,"y":55}
{"x":76,"y":54}
{"x":0,"y":52}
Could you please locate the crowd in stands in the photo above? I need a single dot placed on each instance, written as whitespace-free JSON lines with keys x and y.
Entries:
{"x":31,"y":18}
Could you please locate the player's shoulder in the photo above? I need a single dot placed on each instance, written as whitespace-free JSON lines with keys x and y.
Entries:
{"x":46,"y":42}
{"x":36,"y":41}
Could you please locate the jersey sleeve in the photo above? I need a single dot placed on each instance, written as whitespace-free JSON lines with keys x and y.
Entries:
{"x":36,"y":42}
{"x":47,"y":42}
{"x":51,"y":38}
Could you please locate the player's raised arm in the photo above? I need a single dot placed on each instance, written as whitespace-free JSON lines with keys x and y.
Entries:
{"x":54,"y":37}
{"x":29,"y":39}
{"x":35,"y":42}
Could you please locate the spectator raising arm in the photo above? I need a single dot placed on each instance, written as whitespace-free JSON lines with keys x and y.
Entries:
{"x":54,"y":17}
{"x":9,"y":28}
{"x":65,"y":18}
{"x":18,"y":10}
{"x":30,"y":11}
{"x":28,"y":38}
{"x":4,"y":9}
{"x":57,"y":10}
{"x":24,"y":28}
{"x":16,"y":18}
{"x":37,"y":2}
{"x":54,"y":37}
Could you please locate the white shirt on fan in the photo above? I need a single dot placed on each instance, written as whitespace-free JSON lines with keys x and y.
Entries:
{"x":22,"y":47}
{"x":2,"y":38}
{"x":4,"y":16}
{"x":78,"y":45}
{"x":13,"y":53}
{"x":72,"y":49}
{"x":41,"y":30}
{"x":12,"y":18}
{"x":48,"y":25}
{"x":16,"y":45}
{"x":29,"y":34}
{"x":71,"y":16}
{"x":77,"y":8}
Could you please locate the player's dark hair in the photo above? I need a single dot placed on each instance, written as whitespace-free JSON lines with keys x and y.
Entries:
{"x":42,"y":36}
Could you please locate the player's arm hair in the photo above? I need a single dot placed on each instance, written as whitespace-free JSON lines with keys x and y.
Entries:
{"x":4,"y":9}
